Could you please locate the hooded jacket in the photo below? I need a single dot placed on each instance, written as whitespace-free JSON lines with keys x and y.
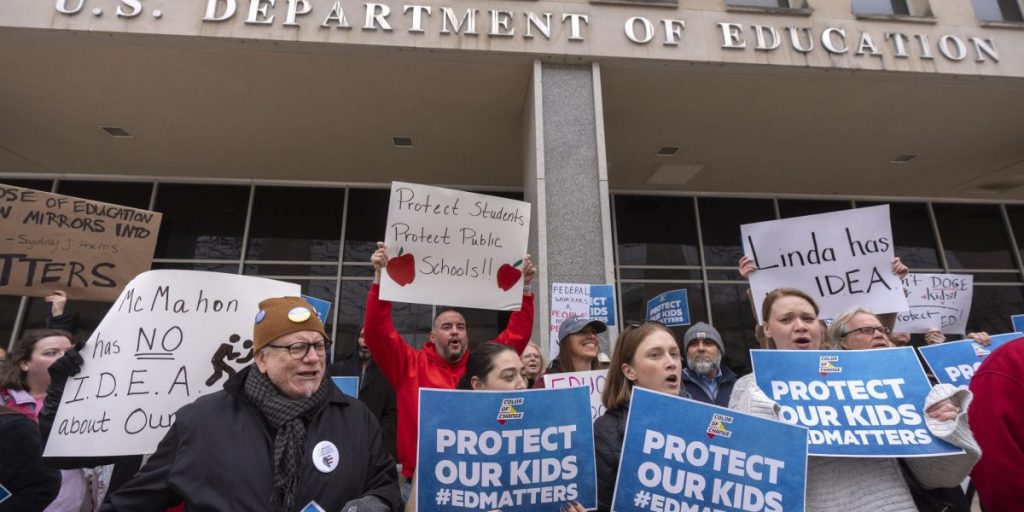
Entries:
{"x":409,"y":369}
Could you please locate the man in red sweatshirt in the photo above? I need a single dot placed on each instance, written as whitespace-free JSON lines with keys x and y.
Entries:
{"x":441,"y":361}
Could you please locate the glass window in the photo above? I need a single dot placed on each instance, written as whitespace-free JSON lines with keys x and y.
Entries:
{"x":366,"y":224}
{"x":800,"y":207}
{"x":973,"y":236}
{"x":734,"y":319}
{"x":1016,"y":215}
{"x":992,"y":306}
{"x":87,"y":315}
{"x":8,"y":312}
{"x":656,"y":230}
{"x":720,"y":221}
{"x":201,"y":221}
{"x":880,"y":7}
{"x":412,"y":321}
{"x":997,"y":10}
{"x":43,"y":185}
{"x":134,"y":195}
{"x":913,"y":234}
{"x":759,"y":3}
{"x":295,"y":224}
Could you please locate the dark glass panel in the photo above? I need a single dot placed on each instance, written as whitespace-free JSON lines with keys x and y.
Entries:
{"x":720,"y":221}
{"x":973,"y":236}
{"x":135,"y":195}
{"x":656,"y":230}
{"x":201,"y":221}
{"x":367,"y":222}
{"x":295,"y":224}
{"x":800,"y":207}
{"x":734,"y":319}
{"x":913,"y":235}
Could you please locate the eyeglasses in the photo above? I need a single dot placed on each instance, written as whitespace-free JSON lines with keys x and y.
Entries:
{"x":867,"y":331}
{"x":299,"y":350}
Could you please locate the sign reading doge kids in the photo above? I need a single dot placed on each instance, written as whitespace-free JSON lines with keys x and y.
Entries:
{"x":514,"y":451}
{"x":856,"y":403}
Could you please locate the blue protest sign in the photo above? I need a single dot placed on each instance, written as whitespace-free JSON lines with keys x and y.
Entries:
{"x":681,"y":455}
{"x":4,"y":493}
{"x":955,"y":362}
{"x":1018,"y":322}
{"x":602,"y":303}
{"x":347,"y":385}
{"x":322,"y":307}
{"x":856,"y":403}
{"x":518,"y":451}
{"x":670,"y":308}
{"x":312,"y":506}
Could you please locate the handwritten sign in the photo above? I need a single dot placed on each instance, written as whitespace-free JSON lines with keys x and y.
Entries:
{"x":856,"y":403}
{"x":465,"y":247}
{"x":670,"y":308}
{"x":170,"y":338}
{"x":679,"y":455}
{"x":956,"y":362}
{"x":937,"y":301}
{"x":347,"y":385}
{"x":841,"y":259}
{"x":87,"y":248}
{"x":594,"y":301}
{"x":517,"y":451}
{"x":593,"y":380}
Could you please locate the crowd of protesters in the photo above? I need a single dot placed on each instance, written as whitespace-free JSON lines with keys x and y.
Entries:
{"x":282,"y":403}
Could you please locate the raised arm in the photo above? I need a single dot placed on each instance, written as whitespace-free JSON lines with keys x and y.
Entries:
{"x":520,"y":323}
{"x":391,"y":353}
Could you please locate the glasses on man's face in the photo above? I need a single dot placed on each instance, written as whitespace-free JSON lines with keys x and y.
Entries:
{"x":299,"y":350}
{"x":867,"y":331}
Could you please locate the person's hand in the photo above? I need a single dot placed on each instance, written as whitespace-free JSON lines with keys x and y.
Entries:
{"x":899,"y":268}
{"x":57,"y":302}
{"x":529,"y":270}
{"x":379,"y":258}
{"x":934,"y":337}
{"x":981,"y":338}
{"x":367,"y":503}
{"x":945,"y":410}
{"x":68,"y":365}
{"x":747,"y":267}
{"x":573,"y":507}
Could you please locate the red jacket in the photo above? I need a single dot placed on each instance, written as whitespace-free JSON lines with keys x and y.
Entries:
{"x":997,"y":420}
{"x":408,"y":369}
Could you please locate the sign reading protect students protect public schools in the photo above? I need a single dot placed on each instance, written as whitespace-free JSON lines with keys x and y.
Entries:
{"x":956,"y":362}
{"x":514,"y":451}
{"x":87,"y":248}
{"x":856,"y":403}
{"x":467,"y":248}
{"x":681,"y":455}
{"x":841,"y":259}
{"x":170,"y":338}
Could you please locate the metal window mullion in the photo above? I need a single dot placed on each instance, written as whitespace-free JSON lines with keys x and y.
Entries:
{"x":1013,"y":239}
{"x":775,"y":208}
{"x":938,"y":238}
{"x":19,"y":318}
{"x":245,"y":230}
{"x":618,"y":270}
{"x":703,"y":267}
{"x":341,"y":259}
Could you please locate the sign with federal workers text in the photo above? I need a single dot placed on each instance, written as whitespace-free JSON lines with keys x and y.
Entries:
{"x":514,"y":451}
{"x":955,"y":362}
{"x":680,"y":454}
{"x":856,"y":403}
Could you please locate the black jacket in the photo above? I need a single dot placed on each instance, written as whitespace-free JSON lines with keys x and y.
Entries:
{"x":696,"y":392}
{"x":218,"y":456}
{"x":609,"y":432}
{"x":31,"y":484}
{"x":376,"y":392}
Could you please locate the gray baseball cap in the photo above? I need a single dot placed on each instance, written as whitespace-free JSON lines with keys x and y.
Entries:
{"x":575,"y":324}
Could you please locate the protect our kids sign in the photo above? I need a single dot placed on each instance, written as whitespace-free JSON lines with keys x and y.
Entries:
{"x":856,"y":403}
{"x":842,"y":259}
{"x":956,"y":362}
{"x":463,"y":246}
{"x":171,"y":337}
{"x":682,"y":455}
{"x":514,"y":451}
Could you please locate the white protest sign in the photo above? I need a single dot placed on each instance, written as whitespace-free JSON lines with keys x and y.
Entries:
{"x":171,"y":337}
{"x":841,"y":259}
{"x":593,"y":380}
{"x":937,"y":301}
{"x":567,"y":300}
{"x":464,"y":248}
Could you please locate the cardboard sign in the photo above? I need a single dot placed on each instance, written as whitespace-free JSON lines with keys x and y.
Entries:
{"x":937,"y":301}
{"x":87,"y":248}
{"x":681,"y":455}
{"x":956,"y":362}
{"x":465,"y":247}
{"x":170,"y":338}
{"x":856,"y":403}
{"x":841,"y":259}
{"x":593,"y":380}
{"x":517,"y":451}
{"x":594,"y":301}
{"x":347,"y":385}
{"x":670,"y":308}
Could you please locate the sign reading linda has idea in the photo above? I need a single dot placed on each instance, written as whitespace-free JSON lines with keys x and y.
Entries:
{"x":463,"y":246}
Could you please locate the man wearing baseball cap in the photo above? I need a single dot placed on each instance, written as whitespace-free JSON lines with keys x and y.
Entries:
{"x":704,"y":376}
{"x":279,"y":436}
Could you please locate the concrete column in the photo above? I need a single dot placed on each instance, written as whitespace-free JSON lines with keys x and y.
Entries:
{"x":565,"y":177}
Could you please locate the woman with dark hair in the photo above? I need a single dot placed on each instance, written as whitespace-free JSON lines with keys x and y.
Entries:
{"x":645,"y":355}
{"x":851,"y":483}
{"x":23,"y":382}
{"x":578,"y":347}
{"x":32,"y":485}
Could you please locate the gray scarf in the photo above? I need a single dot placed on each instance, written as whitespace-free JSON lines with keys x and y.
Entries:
{"x":288,"y":417}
